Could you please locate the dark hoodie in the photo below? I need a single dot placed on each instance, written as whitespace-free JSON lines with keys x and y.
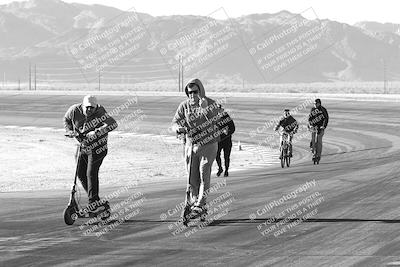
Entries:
{"x":318,"y":117}
{"x":201,"y":123}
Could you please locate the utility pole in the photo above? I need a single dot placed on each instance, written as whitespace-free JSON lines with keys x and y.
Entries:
{"x":384,"y":76}
{"x":30,"y":78}
{"x":182,"y":86}
{"x":99,"y":80}
{"x":179,"y":74}
{"x":35,"y":77}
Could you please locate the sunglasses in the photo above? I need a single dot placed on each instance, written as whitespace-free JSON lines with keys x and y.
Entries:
{"x":193,"y":92}
{"x":89,"y":107}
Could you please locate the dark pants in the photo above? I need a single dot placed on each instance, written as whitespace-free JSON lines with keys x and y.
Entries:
{"x":316,"y":143}
{"x":88,"y":172}
{"x":226,"y":145}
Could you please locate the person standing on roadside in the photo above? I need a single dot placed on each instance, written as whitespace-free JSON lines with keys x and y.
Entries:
{"x":227,"y":127}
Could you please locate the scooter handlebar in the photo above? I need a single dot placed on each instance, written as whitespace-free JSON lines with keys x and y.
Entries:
{"x":79,"y":136}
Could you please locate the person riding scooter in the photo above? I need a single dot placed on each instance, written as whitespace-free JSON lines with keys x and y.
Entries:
{"x":197,"y":118}
{"x":90,"y":122}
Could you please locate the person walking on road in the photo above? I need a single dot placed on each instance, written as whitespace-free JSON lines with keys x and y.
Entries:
{"x":90,"y":123}
{"x":227,"y":127}
{"x":197,"y":118}
{"x":318,"y":121}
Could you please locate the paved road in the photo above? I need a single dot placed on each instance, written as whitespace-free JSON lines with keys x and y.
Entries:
{"x":352,"y":207}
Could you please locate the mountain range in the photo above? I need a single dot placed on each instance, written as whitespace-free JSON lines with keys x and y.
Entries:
{"x":75,"y":43}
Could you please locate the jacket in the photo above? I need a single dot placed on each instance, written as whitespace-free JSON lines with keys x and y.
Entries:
{"x":318,"y":117}
{"x":201,"y":123}
{"x":289,"y":124}
{"x":75,"y":120}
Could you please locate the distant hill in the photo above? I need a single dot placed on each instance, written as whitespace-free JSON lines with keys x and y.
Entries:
{"x":71,"y":43}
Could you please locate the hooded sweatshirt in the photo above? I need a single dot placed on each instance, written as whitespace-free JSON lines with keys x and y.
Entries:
{"x":201,"y":123}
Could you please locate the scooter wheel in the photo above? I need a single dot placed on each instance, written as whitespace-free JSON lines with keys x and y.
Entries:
{"x":70,"y":216}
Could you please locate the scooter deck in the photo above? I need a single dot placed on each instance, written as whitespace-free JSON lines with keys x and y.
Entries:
{"x":75,"y":213}
{"x":97,"y":214}
{"x":191,"y":216}
{"x":104,"y":214}
{"x":195,"y":215}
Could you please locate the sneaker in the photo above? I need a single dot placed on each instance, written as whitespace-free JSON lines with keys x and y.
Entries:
{"x":220,"y":170}
{"x":98,"y":206}
{"x":226,"y":174}
{"x":198,"y":211}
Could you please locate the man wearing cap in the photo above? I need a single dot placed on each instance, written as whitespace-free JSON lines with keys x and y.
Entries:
{"x":91,"y":121}
{"x":290,"y":126}
{"x":318,"y":119}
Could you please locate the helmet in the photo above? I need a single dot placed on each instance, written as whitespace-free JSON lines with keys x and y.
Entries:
{"x":318,"y":100}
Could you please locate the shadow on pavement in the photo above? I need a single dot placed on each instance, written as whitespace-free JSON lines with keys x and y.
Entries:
{"x":261,"y":220}
{"x":312,"y":220}
{"x":359,"y":150}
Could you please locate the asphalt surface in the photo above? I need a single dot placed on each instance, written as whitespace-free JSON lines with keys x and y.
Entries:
{"x":350,"y":200}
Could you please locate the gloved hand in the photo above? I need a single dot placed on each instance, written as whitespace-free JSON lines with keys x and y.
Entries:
{"x":203,"y":103}
{"x":91,"y":135}
{"x":195,"y":148}
{"x":69,"y":134}
{"x":180,"y":130}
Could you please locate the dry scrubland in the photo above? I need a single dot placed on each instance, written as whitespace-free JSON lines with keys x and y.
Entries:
{"x":36,"y":159}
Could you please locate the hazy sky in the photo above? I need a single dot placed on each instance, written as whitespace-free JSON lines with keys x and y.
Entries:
{"x":341,"y":10}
